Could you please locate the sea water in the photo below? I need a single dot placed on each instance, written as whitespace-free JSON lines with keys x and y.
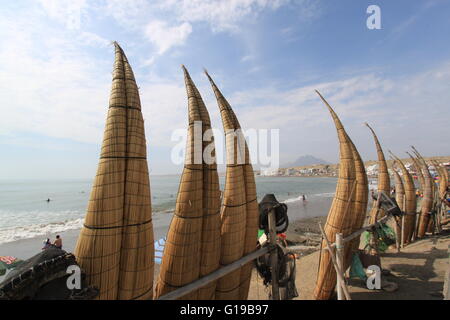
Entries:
{"x":26,"y":213}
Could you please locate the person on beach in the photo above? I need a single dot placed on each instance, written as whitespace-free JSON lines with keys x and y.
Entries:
{"x":374,"y":197}
{"x":304,"y":197}
{"x":47,"y":244}
{"x":58,"y":242}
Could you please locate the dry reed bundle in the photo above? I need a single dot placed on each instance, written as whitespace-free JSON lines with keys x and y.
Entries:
{"x":384,"y":183}
{"x":427,"y":200}
{"x":410,"y":200}
{"x":399,"y":197}
{"x":236,"y":208}
{"x":418,"y":169}
{"x":115,"y":246}
{"x":399,"y":189}
{"x":193,"y":242}
{"x":443,"y":182}
{"x":446,"y":175}
{"x":340,"y":217}
{"x":359,"y":202}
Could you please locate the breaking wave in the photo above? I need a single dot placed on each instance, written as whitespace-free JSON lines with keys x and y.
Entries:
{"x":36,"y":230}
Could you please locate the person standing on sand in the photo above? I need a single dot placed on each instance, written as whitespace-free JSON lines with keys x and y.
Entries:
{"x":304,"y":198}
{"x":58,"y":242}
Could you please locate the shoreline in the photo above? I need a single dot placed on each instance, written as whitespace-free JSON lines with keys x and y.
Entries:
{"x":299,"y":212}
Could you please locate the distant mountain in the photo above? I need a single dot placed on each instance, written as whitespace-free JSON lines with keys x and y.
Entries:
{"x":307,"y":160}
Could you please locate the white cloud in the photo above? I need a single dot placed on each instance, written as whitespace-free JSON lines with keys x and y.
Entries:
{"x":247,"y":58}
{"x":165,"y":37}
{"x":222,"y":15}
{"x":396,"y":106}
{"x":68,"y":12}
{"x":53,"y":88}
{"x":93,"y":39}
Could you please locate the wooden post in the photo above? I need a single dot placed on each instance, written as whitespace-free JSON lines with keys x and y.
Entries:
{"x":373,"y":239}
{"x":336,"y":267}
{"x":403,"y":232}
{"x":340,"y":264}
{"x":446,"y":290}
{"x":274,"y":256}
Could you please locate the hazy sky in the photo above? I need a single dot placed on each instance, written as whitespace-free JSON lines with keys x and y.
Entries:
{"x":267,"y":56}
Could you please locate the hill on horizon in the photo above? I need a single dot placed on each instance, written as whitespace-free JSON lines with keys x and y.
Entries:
{"x":306,"y":160}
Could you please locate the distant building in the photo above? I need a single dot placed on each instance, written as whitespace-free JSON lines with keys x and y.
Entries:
{"x":269,"y":172}
{"x":372,"y":170}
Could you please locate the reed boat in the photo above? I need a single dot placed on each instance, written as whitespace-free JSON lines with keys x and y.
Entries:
{"x":410,"y":200}
{"x":443,"y":181}
{"x":115,"y":245}
{"x":418,"y":169}
{"x":340,"y":218}
{"x":384,"y":183}
{"x":193,"y":241}
{"x":360,"y":201}
{"x":239,"y":210}
{"x":427,"y":200}
{"x":399,"y":195}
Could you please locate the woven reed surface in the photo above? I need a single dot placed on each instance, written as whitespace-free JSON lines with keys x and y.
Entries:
{"x":360,"y":201}
{"x":446,"y":179}
{"x":427,"y":199}
{"x":399,"y":198}
{"x":418,"y":169}
{"x":384,"y":183}
{"x":399,"y":189}
{"x":252,"y":213}
{"x":410,"y":201}
{"x":239,"y":212}
{"x":193,"y":244}
{"x":115,"y":246}
{"x":339,"y":219}
{"x":443,"y":182}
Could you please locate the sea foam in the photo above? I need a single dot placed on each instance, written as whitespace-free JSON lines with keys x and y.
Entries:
{"x":36,"y":230}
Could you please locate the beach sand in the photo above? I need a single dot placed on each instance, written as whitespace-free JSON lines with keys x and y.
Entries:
{"x":419,"y":271}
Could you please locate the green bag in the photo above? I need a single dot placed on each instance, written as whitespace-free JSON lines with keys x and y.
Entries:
{"x":385,"y":234}
{"x":357,"y":269}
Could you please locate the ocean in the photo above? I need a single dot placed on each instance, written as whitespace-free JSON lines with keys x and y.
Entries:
{"x":25,"y":212}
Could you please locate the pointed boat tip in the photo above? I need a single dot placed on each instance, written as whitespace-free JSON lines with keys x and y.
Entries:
{"x":117,"y":45}
{"x":185,"y":71}
{"x":207,"y":74}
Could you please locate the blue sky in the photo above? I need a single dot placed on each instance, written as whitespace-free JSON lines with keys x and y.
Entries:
{"x":267,"y":56}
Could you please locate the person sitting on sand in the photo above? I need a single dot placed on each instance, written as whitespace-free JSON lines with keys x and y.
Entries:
{"x":47,"y":244}
{"x":58,"y":242}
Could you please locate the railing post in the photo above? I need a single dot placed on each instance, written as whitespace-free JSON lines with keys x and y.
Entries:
{"x":273,"y":255}
{"x":403,"y":223}
{"x":340,"y":263}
